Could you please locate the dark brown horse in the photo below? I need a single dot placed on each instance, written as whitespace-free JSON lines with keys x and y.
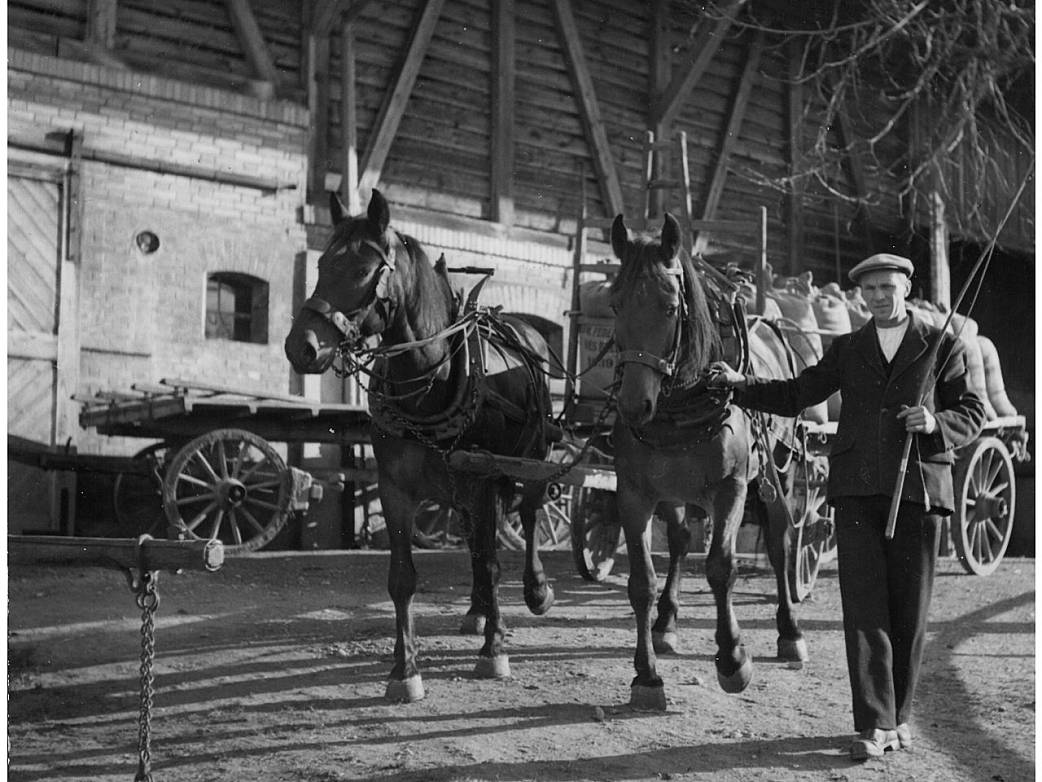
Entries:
{"x":677,"y":442}
{"x":447,"y":377}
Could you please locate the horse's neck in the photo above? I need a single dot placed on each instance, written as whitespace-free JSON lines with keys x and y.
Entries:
{"x":422,"y":320}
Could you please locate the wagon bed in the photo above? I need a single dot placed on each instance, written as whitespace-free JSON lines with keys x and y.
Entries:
{"x":211,"y":472}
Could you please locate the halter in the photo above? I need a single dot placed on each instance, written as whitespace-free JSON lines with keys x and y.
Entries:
{"x":350,"y":325}
{"x":664,"y":366}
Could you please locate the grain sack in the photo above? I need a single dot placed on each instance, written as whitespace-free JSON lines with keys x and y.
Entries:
{"x":800,"y":327}
{"x":968,"y":333}
{"x":833,"y":316}
{"x":857,"y":309}
{"x":993,"y":378}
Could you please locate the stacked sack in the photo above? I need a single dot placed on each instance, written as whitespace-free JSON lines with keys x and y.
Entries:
{"x":811,"y":317}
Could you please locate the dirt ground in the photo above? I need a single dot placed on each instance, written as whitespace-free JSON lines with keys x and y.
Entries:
{"x":273,"y":669}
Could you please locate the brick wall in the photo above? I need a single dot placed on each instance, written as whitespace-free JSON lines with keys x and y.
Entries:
{"x":141,"y":316}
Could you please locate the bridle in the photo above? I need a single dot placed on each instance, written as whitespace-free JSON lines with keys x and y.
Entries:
{"x":666,"y":367}
{"x":350,"y":324}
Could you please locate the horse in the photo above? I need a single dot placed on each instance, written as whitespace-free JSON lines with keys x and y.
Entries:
{"x":677,"y":441}
{"x":447,"y":376}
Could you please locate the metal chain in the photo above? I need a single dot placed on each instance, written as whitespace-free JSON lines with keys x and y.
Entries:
{"x":148,"y":601}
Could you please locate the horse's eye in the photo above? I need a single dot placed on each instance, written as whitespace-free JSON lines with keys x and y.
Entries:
{"x":672,"y":310}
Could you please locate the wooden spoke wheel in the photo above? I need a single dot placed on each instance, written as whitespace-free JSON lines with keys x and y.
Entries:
{"x":596,"y":532}
{"x":137,"y":497}
{"x":228,"y":485}
{"x":814,"y":533}
{"x":553,"y":522}
{"x":437,"y":526}
{"x":985,"y":498}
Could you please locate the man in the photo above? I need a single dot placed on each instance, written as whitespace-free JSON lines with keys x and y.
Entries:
{"x":885,"y":585}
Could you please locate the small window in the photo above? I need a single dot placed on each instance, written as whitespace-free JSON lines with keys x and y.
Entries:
{"x":236,"y":308}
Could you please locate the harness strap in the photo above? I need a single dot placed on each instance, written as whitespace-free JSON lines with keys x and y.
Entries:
{"x":340,"y":321}
{"x":660,"y":365}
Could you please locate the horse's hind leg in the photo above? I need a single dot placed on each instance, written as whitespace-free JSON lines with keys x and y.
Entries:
{"x":734,"y":668}
{"x":664,"y":631}
{"x":404,"y":682}
{"x":539,"y":595}
{"x":791,"y":644}
{"x":481,"y":517}
{"x":646,"y":691}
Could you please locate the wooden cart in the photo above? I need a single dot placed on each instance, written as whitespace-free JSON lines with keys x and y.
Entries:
{"x":212,"y":472}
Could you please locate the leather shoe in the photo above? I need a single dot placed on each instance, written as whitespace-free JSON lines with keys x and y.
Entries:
{"x":904,"y":735}
{"x":872,"y":743}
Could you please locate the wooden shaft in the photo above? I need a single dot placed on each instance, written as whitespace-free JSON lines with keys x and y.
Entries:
{"x":149,"y":554}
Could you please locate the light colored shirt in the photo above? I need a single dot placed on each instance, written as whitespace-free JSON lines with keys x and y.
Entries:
{"x":890,"y":338}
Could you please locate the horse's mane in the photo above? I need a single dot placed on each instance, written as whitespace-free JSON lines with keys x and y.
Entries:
{"x":701,"y":343}
{"x":426,"y":288}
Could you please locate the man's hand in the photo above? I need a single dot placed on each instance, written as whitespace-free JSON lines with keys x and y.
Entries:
{"x":722,"y":376}
{"x":918,"y":419}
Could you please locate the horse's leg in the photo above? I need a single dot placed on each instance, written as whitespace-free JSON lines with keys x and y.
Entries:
{"x":404,"y":682}
{"x":646,"y":691}
{"x":664,"y":631}
{"x":734,"y":668}
{"x":539,"y":595}
{"x":791,"y":644}
{"x":481,"y":517}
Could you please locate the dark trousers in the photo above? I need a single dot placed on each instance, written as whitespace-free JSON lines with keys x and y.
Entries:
{"x":885,"y":587}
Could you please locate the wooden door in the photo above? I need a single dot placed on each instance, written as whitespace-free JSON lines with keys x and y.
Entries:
{"x":34,"y":264}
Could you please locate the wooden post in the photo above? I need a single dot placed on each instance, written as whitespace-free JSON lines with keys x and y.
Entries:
{"x":795,"y":192}
{"x":147,"y":554}
{"x":940,"y":271}
{"x":661,"y":127}
{"x":349,"y":121}
{"x":503,"y":78}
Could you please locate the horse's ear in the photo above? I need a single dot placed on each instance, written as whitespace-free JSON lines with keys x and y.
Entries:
{"x":620,"y":237}
{"x":670,"y":239}
{"x":336,"y":208}
{"x":379,"y":213}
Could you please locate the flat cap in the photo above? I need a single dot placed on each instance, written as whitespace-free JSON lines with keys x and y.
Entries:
{"x":882,"y":262}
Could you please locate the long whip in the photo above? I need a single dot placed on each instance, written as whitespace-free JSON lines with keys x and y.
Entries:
{"x":895,"y":500}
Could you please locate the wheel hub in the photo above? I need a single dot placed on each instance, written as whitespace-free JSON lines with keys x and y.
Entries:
{"x":233,"y":493}
{"x":989,"y":506}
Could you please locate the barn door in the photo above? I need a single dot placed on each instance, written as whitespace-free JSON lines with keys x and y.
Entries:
{"x":35,"y":373}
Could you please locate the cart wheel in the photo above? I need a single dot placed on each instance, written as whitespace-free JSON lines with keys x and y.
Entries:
{"x":437,"y":526}
{"x":553,"y":523}
{"x":596,"y":532}
{"x":227,"y":485}
{"x":985,"y":496}
{"x":137,"y":498}
{"x":814,"y":538}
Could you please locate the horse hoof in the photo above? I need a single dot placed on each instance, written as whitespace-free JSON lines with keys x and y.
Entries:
{"x":665,"y":643}
{"x":473,"y":624}
{"x":792,"y":651}
{"x":540,"y":606}
{"x":643,"y":698}
{"x":497,"y":667}
{"x":738,"y":680}
{"x":405,"y":690}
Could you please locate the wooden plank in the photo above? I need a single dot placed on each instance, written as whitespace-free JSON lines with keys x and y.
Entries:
{"x":32,"y":345}
{"x":590,"y":110}
{"x":318,"y":105}
{"x":503,"y":78}
{"x":326,"y":14}
{"x":147,"y":554}
{"x":252,"y":40}
{"x":101,"y":23}
{"x":706,"y":43}
{"x":393,"y":108}
{"x":660,"y":129}
{"x":734,"y":127}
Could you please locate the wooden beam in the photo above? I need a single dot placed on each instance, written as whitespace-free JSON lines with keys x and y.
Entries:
{"x":327,"y":11}
{"x":393,"y":109}
{"x":101,"y":23}
{"x":796,"y":190}
{"x":659,"y":72}
{"x":708,"y":39}
{"x":349,"y":121}
{"x":318,"y":105}
{"x":734,"y":127}
{"x":252,"y":40}
{"x":503,"y":77}
{"x":582,"y":82}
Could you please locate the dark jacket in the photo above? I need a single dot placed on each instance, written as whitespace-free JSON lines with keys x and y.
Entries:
{"x":865,"y":454}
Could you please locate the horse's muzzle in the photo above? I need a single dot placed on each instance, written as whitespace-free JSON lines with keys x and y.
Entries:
{"x":306,"y":354}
